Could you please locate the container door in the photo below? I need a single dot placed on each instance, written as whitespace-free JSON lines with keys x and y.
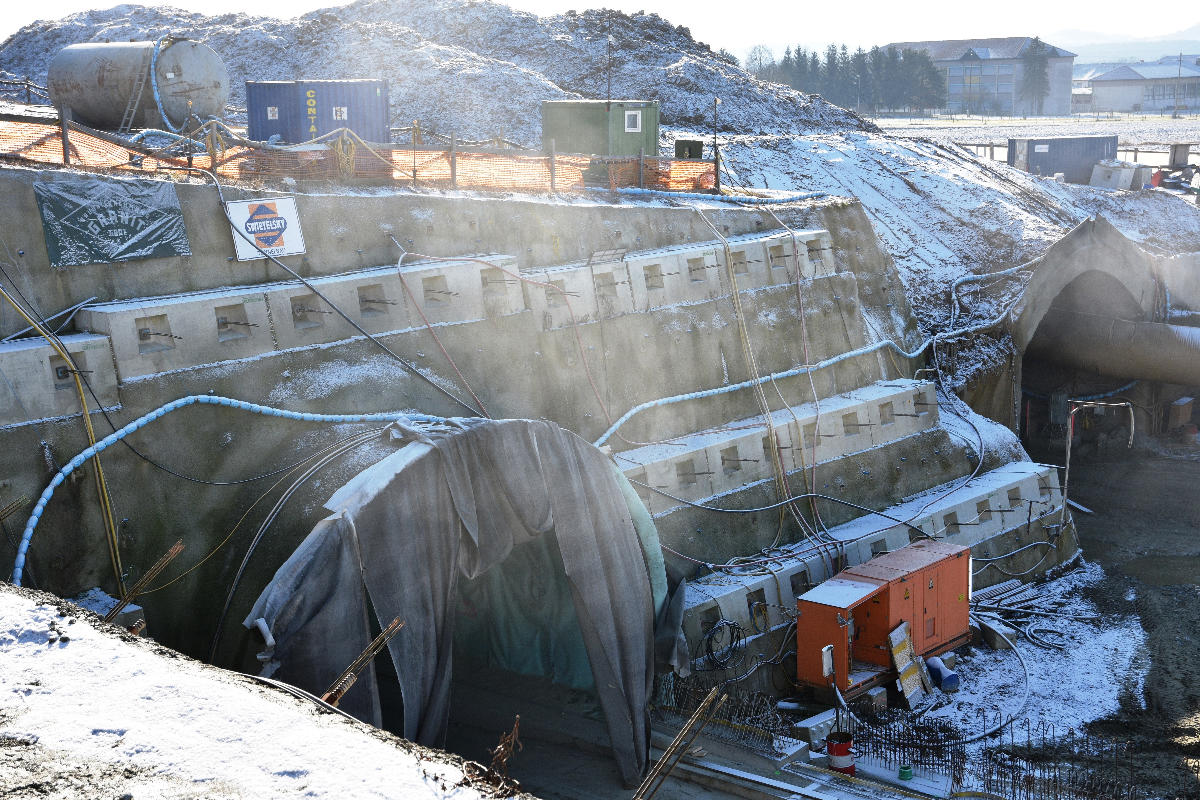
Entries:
{"x":930,"y":622}
{"x":954,"y":604}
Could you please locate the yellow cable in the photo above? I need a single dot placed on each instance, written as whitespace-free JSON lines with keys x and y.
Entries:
{"x":101,"y":485}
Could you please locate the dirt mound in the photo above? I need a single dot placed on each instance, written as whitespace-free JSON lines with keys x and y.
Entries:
{"x":478,"y":69}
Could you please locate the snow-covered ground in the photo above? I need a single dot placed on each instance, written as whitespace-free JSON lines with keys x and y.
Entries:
{"x":942,"y":212}
{"x":88,"y":712}
{"x":1099,"y":665}
{"x":1131,"y":129}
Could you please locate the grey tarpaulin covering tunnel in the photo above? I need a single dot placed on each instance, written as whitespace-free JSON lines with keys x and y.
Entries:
{"x":452,"y":504}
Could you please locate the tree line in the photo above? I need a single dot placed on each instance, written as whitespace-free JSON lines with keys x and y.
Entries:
{"x":868,"y":80}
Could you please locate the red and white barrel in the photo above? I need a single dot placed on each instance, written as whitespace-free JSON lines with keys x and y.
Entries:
{"x":837,"y":747}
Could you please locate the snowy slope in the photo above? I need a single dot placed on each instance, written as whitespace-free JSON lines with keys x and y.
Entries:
{"x":943,"y":212}
{"x":85,"y":712}
{"x":475,"y":68}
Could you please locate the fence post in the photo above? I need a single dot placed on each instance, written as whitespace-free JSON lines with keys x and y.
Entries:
{"x":641,"y":168}
{"x":553,"y":176}
{"x":64,"y":117}
{"x":28,"y":90}
{"x":416,"y":137}
{"x":453,"y":161}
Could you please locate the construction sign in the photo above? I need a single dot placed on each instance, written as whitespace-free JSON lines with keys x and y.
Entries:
{"x":266,"y":227}
{"x":89,"y":220}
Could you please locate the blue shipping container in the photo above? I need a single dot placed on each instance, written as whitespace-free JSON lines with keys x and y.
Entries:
{"x":299,"y":111}
{"x":1074,"y":156}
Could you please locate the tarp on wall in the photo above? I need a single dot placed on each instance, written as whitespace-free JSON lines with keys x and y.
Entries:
{"x":88,"y":220}
{"x":451,"y":504}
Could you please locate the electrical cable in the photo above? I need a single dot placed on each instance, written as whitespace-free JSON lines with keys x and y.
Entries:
{"x":104,"y":411}
{"x":106,"y":511}
{"x":246,"y":513}
{"x":412,"y":368}
{"x":46,"y":320}
{"x":154,"y":85}
{"x":303,"y":695}
{"x":270,"y":518}
{"x":437,"y":340}
{"x":800,"y":370}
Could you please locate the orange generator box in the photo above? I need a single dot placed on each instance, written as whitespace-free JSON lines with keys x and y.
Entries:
{"x":842,"y":632}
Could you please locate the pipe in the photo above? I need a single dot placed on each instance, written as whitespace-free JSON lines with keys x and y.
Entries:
{"x":956,"y":306}
{"x":1152,"y":351}
{"x":154,"y":87}
{"x":202,"y":399}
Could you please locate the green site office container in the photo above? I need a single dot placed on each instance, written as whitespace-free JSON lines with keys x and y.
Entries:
{"x":600,"y":127}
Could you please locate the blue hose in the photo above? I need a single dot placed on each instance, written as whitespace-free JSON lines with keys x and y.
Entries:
{"x":154,"y":87}
{"x":203,"y":399}
{"x":742,"y":199}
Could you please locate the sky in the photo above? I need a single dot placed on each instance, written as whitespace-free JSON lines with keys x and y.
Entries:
{"x":778,"y":23}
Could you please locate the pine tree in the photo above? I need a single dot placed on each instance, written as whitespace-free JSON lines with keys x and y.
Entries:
{"x":1035,"y":74}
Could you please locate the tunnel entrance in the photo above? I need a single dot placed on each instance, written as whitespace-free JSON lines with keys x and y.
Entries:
{"x":1052,"y":374}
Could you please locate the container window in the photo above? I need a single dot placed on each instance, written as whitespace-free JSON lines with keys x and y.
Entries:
{"x":633,"y":121}
{"x":272,"y":112}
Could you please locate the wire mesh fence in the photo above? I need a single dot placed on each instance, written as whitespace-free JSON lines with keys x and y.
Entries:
{"x":346,"y":157}
{"x":1026,"y":761}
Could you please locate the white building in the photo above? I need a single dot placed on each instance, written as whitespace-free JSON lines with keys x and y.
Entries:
{"x":1168,"y":85}
{"x":984,"y":75}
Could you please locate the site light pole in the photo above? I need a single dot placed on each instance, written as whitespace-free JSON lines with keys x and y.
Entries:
{"x":716,"y":150}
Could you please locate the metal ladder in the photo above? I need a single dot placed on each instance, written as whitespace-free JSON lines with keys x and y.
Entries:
{"x":139,"y":88}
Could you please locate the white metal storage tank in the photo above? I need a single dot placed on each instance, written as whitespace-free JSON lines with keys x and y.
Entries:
{"x":106,"y":84}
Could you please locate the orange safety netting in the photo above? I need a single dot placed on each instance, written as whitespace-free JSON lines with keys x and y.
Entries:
{"x":347,"y":157}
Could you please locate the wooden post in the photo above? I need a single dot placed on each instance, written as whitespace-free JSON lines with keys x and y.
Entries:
{"x":64,"y":117}
{"x":453,"y":161}
{"x":992,"y":151}
{"x":553,"y":168}
{"x":28,"y":93}
{"x":416,"y":136}
{"x":641,"y":168}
